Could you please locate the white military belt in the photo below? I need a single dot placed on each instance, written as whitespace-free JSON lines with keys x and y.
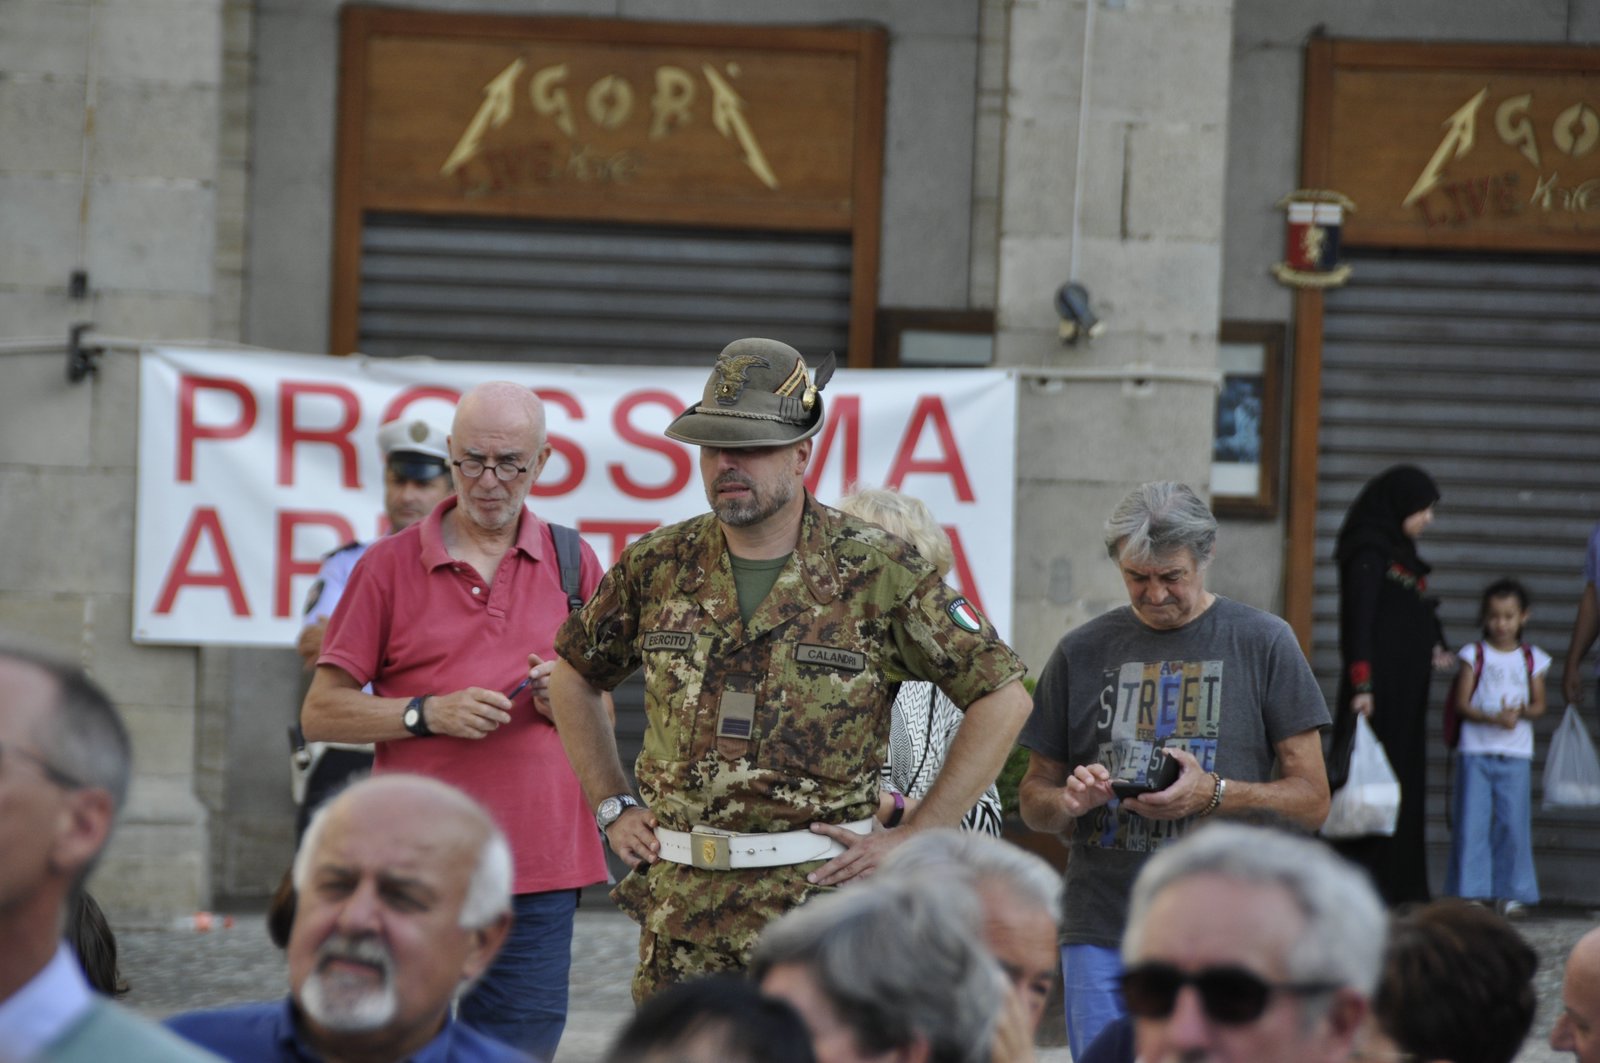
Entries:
{"x":724,"y":850}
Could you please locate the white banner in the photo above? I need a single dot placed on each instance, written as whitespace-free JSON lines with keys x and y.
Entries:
{"x":253,"y":465}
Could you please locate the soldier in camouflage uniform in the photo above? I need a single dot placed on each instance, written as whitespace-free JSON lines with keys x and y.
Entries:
{"x":774,"y":633}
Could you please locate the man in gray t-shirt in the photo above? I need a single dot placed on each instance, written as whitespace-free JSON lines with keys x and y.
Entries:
{"x":1218,"y":686}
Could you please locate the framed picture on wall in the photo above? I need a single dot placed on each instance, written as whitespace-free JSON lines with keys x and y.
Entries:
{"x":1248,"y":433}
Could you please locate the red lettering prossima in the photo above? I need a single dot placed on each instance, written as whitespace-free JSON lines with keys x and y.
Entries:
{"x":570,"y":451}
{"x":843,"y":419}
{"x":203,"y":522}
{"x":189,"y":429}
{"x":673,"y":452}
{"x":930,"y":409}
{"x":287,"y":566}
{"x":290,"y":434}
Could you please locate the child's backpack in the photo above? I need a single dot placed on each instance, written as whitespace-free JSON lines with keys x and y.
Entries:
{"x":1452,"y":712}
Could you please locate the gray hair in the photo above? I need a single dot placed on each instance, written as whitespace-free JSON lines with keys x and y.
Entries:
{"x":488,"y":892}
{"x":948,"y":854}
{"x":1345,"y":921}
{"x":1157,"y":519}
{"x":905,"y":516}
{"x":896,"y":960}
{"x":84,"y":737}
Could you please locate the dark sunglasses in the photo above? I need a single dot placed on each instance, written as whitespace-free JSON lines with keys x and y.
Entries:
{"x":1231,"y":996}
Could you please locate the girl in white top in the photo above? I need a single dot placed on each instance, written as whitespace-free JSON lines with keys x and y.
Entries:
{"x":1499,"y":689}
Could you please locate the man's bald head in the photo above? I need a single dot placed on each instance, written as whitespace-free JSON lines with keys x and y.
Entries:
{"x":498,"y":446}
{"x":1577,"y":1029}
{"x":404,"y":896}
{"x":446,"y":811}
{"x":504,"y":404}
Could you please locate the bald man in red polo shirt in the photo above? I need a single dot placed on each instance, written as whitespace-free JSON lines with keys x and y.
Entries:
{"x":453,"y":622}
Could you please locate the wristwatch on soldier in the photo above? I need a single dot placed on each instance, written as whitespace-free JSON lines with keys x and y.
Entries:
{"x":612,"y":808}
{"x":415,"y":719}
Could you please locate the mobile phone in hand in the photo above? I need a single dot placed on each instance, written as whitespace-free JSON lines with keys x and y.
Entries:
{"x":1157,"y":777}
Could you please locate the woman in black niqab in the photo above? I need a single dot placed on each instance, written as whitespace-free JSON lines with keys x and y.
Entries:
{"x":1389,"y":639}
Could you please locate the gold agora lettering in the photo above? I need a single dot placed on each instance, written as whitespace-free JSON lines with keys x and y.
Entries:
{"x":1574,"y":133}
{"x":608,"y":104}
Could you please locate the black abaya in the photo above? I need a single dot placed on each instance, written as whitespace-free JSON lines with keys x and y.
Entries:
{"x":1388,"y":628}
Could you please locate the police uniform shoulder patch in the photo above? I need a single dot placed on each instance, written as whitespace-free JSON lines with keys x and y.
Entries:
{"x":351,"y":545}
{"x":965,"y":615}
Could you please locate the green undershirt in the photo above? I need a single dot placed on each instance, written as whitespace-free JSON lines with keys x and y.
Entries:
{"x":754,"y":580}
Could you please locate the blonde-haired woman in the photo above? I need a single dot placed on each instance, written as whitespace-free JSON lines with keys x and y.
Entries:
{"x":924,"y":722}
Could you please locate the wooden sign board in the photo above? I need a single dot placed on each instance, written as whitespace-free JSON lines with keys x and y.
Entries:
{"x":561,"y":119}
{"x":1460,"y":146}
{"x":566,"y":118}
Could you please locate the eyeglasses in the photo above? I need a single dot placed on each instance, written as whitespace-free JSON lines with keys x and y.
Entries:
{"x":1231,"y":996}
{"x":472,"y":468}
{"x":51,"y":772}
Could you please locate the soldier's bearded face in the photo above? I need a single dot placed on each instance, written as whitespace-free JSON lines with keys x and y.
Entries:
{"x":749,"y":485}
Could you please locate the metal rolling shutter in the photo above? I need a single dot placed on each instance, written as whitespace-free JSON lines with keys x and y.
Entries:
{"x":1485,"y":372}
{"x":493,"y":289}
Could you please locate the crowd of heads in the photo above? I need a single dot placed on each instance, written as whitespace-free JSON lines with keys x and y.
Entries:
{"x":1241,"y":943}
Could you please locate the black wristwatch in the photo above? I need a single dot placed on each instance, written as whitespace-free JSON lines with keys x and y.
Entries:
{"x":415,"y":719}
{"x":612,"y":808}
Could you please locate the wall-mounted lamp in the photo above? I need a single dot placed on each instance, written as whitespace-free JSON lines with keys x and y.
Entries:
{"x":1072,"y":303}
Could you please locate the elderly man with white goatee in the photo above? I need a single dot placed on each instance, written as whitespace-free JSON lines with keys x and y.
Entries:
{"x":404,"y":897}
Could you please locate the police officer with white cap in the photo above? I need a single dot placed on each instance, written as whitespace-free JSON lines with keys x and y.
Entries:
{"x":416,"y":478}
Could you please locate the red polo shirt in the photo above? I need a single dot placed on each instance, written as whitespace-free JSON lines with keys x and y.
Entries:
{"x":414,"y":620}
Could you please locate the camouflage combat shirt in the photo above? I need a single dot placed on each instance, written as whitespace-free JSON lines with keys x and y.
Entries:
{"x":854,"y":612}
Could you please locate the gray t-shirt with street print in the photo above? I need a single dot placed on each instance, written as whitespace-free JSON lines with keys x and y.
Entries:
{"x":1228,"y":686}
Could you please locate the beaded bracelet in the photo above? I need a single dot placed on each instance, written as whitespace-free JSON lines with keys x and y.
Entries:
{"x":1216,"y":795}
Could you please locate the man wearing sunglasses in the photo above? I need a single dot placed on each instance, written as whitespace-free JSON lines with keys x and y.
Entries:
{"x":64,"y":766}
{"x":453,"y":623}
{"x":1250,"y":945}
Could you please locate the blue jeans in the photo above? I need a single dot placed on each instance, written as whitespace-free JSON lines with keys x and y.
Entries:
{"x":1491,"y":848}
{"x":1090,"y":991}
{"x":522,"y":1000}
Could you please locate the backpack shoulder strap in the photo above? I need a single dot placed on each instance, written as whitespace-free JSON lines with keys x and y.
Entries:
{"x":570,"y":560}
{"x":1527,"y":658}
{"x":1477,"y":665}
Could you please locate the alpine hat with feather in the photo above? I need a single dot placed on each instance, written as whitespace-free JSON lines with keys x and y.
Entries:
{"x":759,"y":395}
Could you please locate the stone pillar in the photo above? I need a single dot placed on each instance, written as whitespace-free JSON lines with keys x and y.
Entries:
{"x":1147,"y":81}
{"x":111,"y":158}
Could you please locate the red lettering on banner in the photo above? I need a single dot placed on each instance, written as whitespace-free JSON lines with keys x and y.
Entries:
{"x":401,"y":402}
{"x":930,"y":408}
{"x":291,"y":434}
{"x":673,"y":452}
{"x":189,"y":430}
{"x":620,"y":532}
{"x":843,"y":418}
{"x":577,"y":464}
{"x":204,"y":522}
{"x":963,"y":569}
{"x":288,"y":566}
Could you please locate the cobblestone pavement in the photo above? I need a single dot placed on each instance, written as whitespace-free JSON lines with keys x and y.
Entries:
{"x":172,"y":970}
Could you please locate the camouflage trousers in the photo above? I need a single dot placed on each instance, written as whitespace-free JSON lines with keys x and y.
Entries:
{"x":667,"y":961}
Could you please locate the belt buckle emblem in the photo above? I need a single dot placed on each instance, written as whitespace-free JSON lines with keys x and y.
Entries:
{"x":709,"y":851}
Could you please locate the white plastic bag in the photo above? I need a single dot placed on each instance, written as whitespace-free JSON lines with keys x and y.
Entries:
{"x":1571,"y":770}
{"x":1369,"y":801}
